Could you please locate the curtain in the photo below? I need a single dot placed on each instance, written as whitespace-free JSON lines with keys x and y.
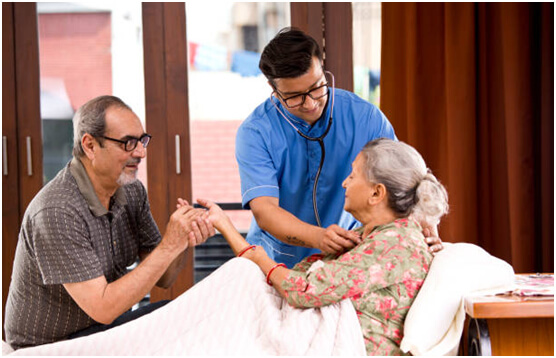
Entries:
{"x":471,"y":86}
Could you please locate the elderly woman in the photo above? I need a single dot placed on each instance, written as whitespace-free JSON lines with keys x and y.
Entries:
{"x":390,"y":191}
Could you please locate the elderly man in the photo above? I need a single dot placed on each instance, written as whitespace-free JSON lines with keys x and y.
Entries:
{"x":82,"y":231}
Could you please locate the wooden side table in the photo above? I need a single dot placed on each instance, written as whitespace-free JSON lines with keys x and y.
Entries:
{"x":509,"y":325}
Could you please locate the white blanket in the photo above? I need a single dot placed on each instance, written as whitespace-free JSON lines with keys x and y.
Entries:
{"x":231,"y":312}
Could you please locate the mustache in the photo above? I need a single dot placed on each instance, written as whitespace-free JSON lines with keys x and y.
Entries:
{"x":133,"y":161}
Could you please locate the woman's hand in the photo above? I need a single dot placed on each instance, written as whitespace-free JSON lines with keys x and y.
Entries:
{"x":216,"y":215}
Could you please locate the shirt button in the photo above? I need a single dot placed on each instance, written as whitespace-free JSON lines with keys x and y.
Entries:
{"x":114,"y":242}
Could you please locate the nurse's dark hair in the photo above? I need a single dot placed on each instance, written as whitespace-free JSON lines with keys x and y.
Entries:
{"x":289,"y":54}
{"x":412,"y":188}
{"x":91,"y":118}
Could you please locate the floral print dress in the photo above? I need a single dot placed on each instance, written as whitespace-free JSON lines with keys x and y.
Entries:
{"x":381,"y":276}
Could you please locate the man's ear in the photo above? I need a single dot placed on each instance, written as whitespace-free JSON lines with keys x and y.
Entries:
{"x":90,"y":145}
{"x":377,"y":194}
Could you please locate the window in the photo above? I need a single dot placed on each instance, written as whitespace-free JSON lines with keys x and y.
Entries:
{"x":86,"y":50}
{"x":225,"y":86}
{"x":366,"y":50}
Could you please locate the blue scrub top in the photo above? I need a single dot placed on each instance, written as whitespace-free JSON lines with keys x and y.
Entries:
{"x":274,"y":160}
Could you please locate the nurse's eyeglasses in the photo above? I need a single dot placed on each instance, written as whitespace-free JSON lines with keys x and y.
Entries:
{"x":299,"y":99}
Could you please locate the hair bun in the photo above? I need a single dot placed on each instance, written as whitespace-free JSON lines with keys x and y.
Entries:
{"x":432,"y":200}
{"x":430,"y":177}
{"x":411,"y":186}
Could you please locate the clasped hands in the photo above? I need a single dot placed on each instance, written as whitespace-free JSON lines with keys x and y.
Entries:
{"x":188,"y":227}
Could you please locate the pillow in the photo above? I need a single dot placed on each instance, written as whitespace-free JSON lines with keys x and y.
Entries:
{"x":434,"y":323}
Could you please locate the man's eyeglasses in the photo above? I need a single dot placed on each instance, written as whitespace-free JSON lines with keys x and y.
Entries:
{"x":131,"y":142}
{"x":299,"y":99}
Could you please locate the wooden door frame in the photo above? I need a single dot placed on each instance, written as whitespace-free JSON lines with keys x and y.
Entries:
{"x":28,"y":111}
{"x":167,"y":115}
{"x":10,"y":186}
{"x":21,"y":120}
{"x":331,"y":25}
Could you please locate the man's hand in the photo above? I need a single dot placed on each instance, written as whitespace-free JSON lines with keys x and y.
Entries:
{"x":187,"y":227}
{"x":432,"y":239}
{"x":202,"y":228}
{"x":338,"y":240}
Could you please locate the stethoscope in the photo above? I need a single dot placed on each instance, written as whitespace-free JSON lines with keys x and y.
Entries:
{"x":319,"y":139}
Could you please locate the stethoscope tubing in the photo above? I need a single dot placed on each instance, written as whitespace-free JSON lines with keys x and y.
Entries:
{"x":320,"y":140}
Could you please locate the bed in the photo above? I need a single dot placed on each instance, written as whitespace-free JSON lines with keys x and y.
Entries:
{"x":245,"y":316}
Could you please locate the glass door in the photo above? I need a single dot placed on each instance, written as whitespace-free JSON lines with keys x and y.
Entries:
{"x":367,"y":27}
{"x":86,"y":50}
{"x":225,"y":85}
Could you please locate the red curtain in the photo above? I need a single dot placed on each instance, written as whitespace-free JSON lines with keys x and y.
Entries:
{"x":471,"y":86}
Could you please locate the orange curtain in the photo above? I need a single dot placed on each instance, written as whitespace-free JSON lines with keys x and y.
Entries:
{"x":471,"y":86}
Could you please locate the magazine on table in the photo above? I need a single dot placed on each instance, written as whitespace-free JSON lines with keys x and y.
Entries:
{"x":534,"y":285}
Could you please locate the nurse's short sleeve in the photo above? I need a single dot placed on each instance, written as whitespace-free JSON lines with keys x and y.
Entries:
{"x":383,"y":127}
{"x":62,"y":247}
{"x":256,"y":168}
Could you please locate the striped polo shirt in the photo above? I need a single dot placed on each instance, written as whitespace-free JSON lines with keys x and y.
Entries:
{"x":68,"y":236}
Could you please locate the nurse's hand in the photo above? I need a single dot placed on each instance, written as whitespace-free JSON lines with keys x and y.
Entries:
{"x":432,"y":239}
{"x":337,"y":240}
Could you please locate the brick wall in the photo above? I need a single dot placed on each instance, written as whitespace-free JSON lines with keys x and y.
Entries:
{"x":76,"y":47}
{"x":214,"y":167}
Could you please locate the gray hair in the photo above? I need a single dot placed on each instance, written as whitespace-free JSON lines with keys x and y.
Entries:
{"x":412,"y":188}
{"x":91,"y":118}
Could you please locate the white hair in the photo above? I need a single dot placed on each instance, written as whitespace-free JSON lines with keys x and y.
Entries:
{"x":412,"y":188}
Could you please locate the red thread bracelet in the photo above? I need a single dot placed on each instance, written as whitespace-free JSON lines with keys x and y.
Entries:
{"x":246,"y":249}
{"x":270,"y":272}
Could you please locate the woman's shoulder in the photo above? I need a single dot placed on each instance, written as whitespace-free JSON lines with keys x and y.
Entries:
{"x":403,"y":233}
{"x":397,"y":227}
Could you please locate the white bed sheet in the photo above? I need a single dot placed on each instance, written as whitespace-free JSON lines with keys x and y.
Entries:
{"x":231,"y":312}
